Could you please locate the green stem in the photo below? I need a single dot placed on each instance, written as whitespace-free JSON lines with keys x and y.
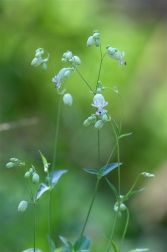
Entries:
{"x":118,"y":157}
{"x":49,"y":218}
{"x":98,"y":149}
{"x":85,"y":81}
{"x":125,"y":229}
{"x":34,"y":226}
{"x":112,"y":232}
{"x":87,"y":217}
{"x":56,"y":136}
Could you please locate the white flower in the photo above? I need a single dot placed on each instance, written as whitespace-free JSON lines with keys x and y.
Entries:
{"x":99,"y":124}
{"x":115,"y":54}
{"x":99,"y":102}
{"x":22,"y":206}
{"x":36,"y":61}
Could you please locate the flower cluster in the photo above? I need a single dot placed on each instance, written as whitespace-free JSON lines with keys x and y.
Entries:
{"x":38,"y":60}
{"x":14,"y":162}
{"x":73,"y":62}
{"x":100,"y":117}
{"x":94,"y":39}
{"x":32,"y":172}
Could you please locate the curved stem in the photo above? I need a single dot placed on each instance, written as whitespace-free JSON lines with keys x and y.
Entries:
{"x":85,"y":81}
{"x":118,"y":157}
{"x":125,"y":229}
{"x":56,"y":136}
{"x":87,"y":217}
{"x":112,"y":232}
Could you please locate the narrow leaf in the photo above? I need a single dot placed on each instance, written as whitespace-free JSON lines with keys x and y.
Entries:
{"x":116,"y":126}
{"x":128,"y":195}
{"x":139,"y":250}
{"x":54,"y":176}
{"x":43,"y":158}
{"x":114,"y":245}
{"x":124,"y":135}
{"x":108,"y":168}
{"x":51,"y":244}
{"x":42,"y":188}
{"x":113,"y":189}
{"x":66,"y":241}
{"x":91,"y":171}
{"x":83,"y":243}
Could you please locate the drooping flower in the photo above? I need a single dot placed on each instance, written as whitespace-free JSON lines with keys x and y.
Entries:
{"x":99,"y":102}
{"x":68,"y":100}
{"x":115,"y":54}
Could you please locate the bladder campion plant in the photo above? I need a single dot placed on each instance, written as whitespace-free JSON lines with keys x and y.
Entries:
{"x":100,"y":117}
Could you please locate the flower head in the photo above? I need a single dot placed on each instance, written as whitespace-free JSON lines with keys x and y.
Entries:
{"x":99,"y":102}
{"x":115,"y":54}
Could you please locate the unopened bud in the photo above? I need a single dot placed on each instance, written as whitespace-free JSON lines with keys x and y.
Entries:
{"x":10,"y":165}
{"x":87,"y":122}
{"x":99,"y":124}
{"x":90,"y":41}
{"x":68,"y":100}
{"x":22,"y":206}
{"x":27,"y":174}
{"x":35,"y":178}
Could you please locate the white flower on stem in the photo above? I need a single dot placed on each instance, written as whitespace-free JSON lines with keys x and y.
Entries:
{"x":90,"y":41}
{"x":36,"y":61}
{"x":63,"y":74}
{"x":99,"y":102}
{"x":68,"y":100}
{"x":115,"y":54}
{"x":148,"y":175}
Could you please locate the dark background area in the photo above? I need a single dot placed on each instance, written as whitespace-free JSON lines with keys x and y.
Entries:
{"x":29,"y":109}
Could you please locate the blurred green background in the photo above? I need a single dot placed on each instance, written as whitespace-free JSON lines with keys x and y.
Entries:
{"x":29,"y":108}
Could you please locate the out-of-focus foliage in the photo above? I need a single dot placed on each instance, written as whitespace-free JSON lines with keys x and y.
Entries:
{"x":29,"y":109}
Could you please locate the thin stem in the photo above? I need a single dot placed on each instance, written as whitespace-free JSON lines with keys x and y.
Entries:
{"x":112,"y":232}
{"x":85,"y":81}
{"x":125,"y":229}
{"x":118,"y":157}
{"x":56,"y":136}
{"x":49,"y":218}
{"x":87,"y":217}
{"x":34,"y":226}
{"x":98,"y":149}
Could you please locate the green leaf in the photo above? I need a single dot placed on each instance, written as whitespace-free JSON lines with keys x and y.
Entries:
{"x":124,"y":135}
{"x":116,"y":126}
{"x":128,"y":195}
{"x":51,"y":244}
{"x":43,"y":158}
{"x":91,"y":171}
{"x":54,"y":176}
{"x":113,"y":189}
{"x":108,"y":168}
{"x":82,"y":244}
{"x":114,"y":245}
{"x":42,"y":188}
{"x":66,"y":241}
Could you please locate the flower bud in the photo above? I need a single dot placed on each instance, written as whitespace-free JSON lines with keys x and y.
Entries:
{"x":35,"y":178}
{"x":36,"y":62}
{"x":90,"y":41}
{"x":97,"y":42}
{"x":31,"y":170}
{"x":68,"y":55}
{"x":104,"y":118}
{"x":122,"y":207}
{"x":10,"y":165}
{"x":99,"y":124}
{"x":67,"y":73}
{"x":148,"y":175}
{"x":44,"y":66}
{"x":67,"y":99}
{"x":27,"y":174}
{"x":14,"y":159}
{"x":76,"y":60}
{"x":96,"y":35}
{"x":86,"y":123}
{"x":22,"y":206}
